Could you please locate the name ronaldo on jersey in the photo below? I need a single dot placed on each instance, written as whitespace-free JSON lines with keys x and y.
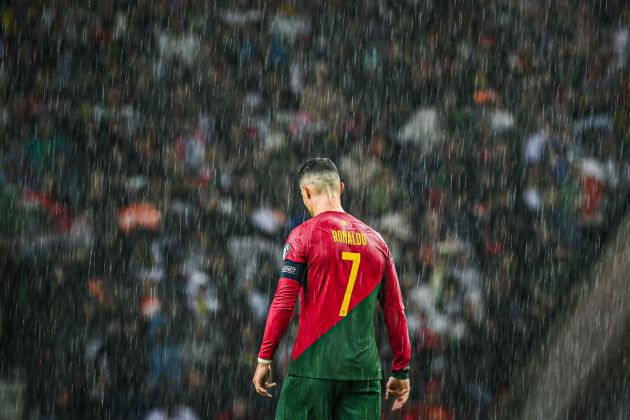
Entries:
{"x":349,"y":237}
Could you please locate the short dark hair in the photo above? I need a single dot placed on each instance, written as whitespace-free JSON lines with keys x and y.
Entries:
{"x":317,"y":166}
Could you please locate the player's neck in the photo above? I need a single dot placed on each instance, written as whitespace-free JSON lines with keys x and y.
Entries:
{"x":323,"y":204}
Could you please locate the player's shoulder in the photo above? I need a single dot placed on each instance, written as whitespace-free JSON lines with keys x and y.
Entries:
{"x":303,"y":227}
{"x":302,"y":232}
{"x":297,"y":232}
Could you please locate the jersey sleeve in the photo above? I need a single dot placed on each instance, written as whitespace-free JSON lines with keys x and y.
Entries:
{"x":292,"y":277}
{"x":395,"y":321}
{"x":279,"y":317}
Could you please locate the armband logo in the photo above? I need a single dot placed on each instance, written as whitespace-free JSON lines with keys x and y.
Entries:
{"x":285,"y":251}
{"x":289,"y":269}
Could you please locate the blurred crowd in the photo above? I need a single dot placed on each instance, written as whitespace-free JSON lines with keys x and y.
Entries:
{"x":147,"y":183}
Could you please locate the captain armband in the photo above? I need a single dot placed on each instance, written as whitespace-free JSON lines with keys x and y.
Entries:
{"x":293,"y":271}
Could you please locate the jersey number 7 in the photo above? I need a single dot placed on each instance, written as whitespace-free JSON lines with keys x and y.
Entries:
{"x":355,"y":257}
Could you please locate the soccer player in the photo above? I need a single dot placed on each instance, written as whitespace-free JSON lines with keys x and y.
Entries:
{"x":340,"y":268}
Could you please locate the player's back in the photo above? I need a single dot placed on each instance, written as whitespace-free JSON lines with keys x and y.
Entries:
{"x":346,"y":261}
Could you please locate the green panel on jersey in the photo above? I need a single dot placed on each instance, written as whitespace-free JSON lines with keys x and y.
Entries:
{"x":347,"y":351}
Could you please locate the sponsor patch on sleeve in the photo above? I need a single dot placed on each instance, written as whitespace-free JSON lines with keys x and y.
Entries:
{"x":285,"y":251}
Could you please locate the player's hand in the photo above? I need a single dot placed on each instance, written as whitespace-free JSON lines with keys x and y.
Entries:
{"x":399,"y":388}
{"x":261,"y":376}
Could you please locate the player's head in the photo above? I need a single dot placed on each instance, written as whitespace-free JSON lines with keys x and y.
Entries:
{"x":319,"y":177}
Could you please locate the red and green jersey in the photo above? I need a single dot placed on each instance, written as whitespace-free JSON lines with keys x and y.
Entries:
{"x":340,"y":268}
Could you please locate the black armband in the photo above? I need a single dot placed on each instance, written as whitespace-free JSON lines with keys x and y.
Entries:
{"x":294,"y":271}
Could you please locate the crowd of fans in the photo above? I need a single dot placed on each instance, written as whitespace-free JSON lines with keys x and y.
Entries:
{"x":148,"y":152}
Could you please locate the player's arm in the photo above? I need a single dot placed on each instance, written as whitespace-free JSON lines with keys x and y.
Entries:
{"x":396,"y":323}
{"x":292,"y":278}
{"x":281,"y":309}
{"x":280,"y":312}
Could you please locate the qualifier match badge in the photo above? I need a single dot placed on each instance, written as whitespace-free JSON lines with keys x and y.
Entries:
{"x":285,"y":251}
